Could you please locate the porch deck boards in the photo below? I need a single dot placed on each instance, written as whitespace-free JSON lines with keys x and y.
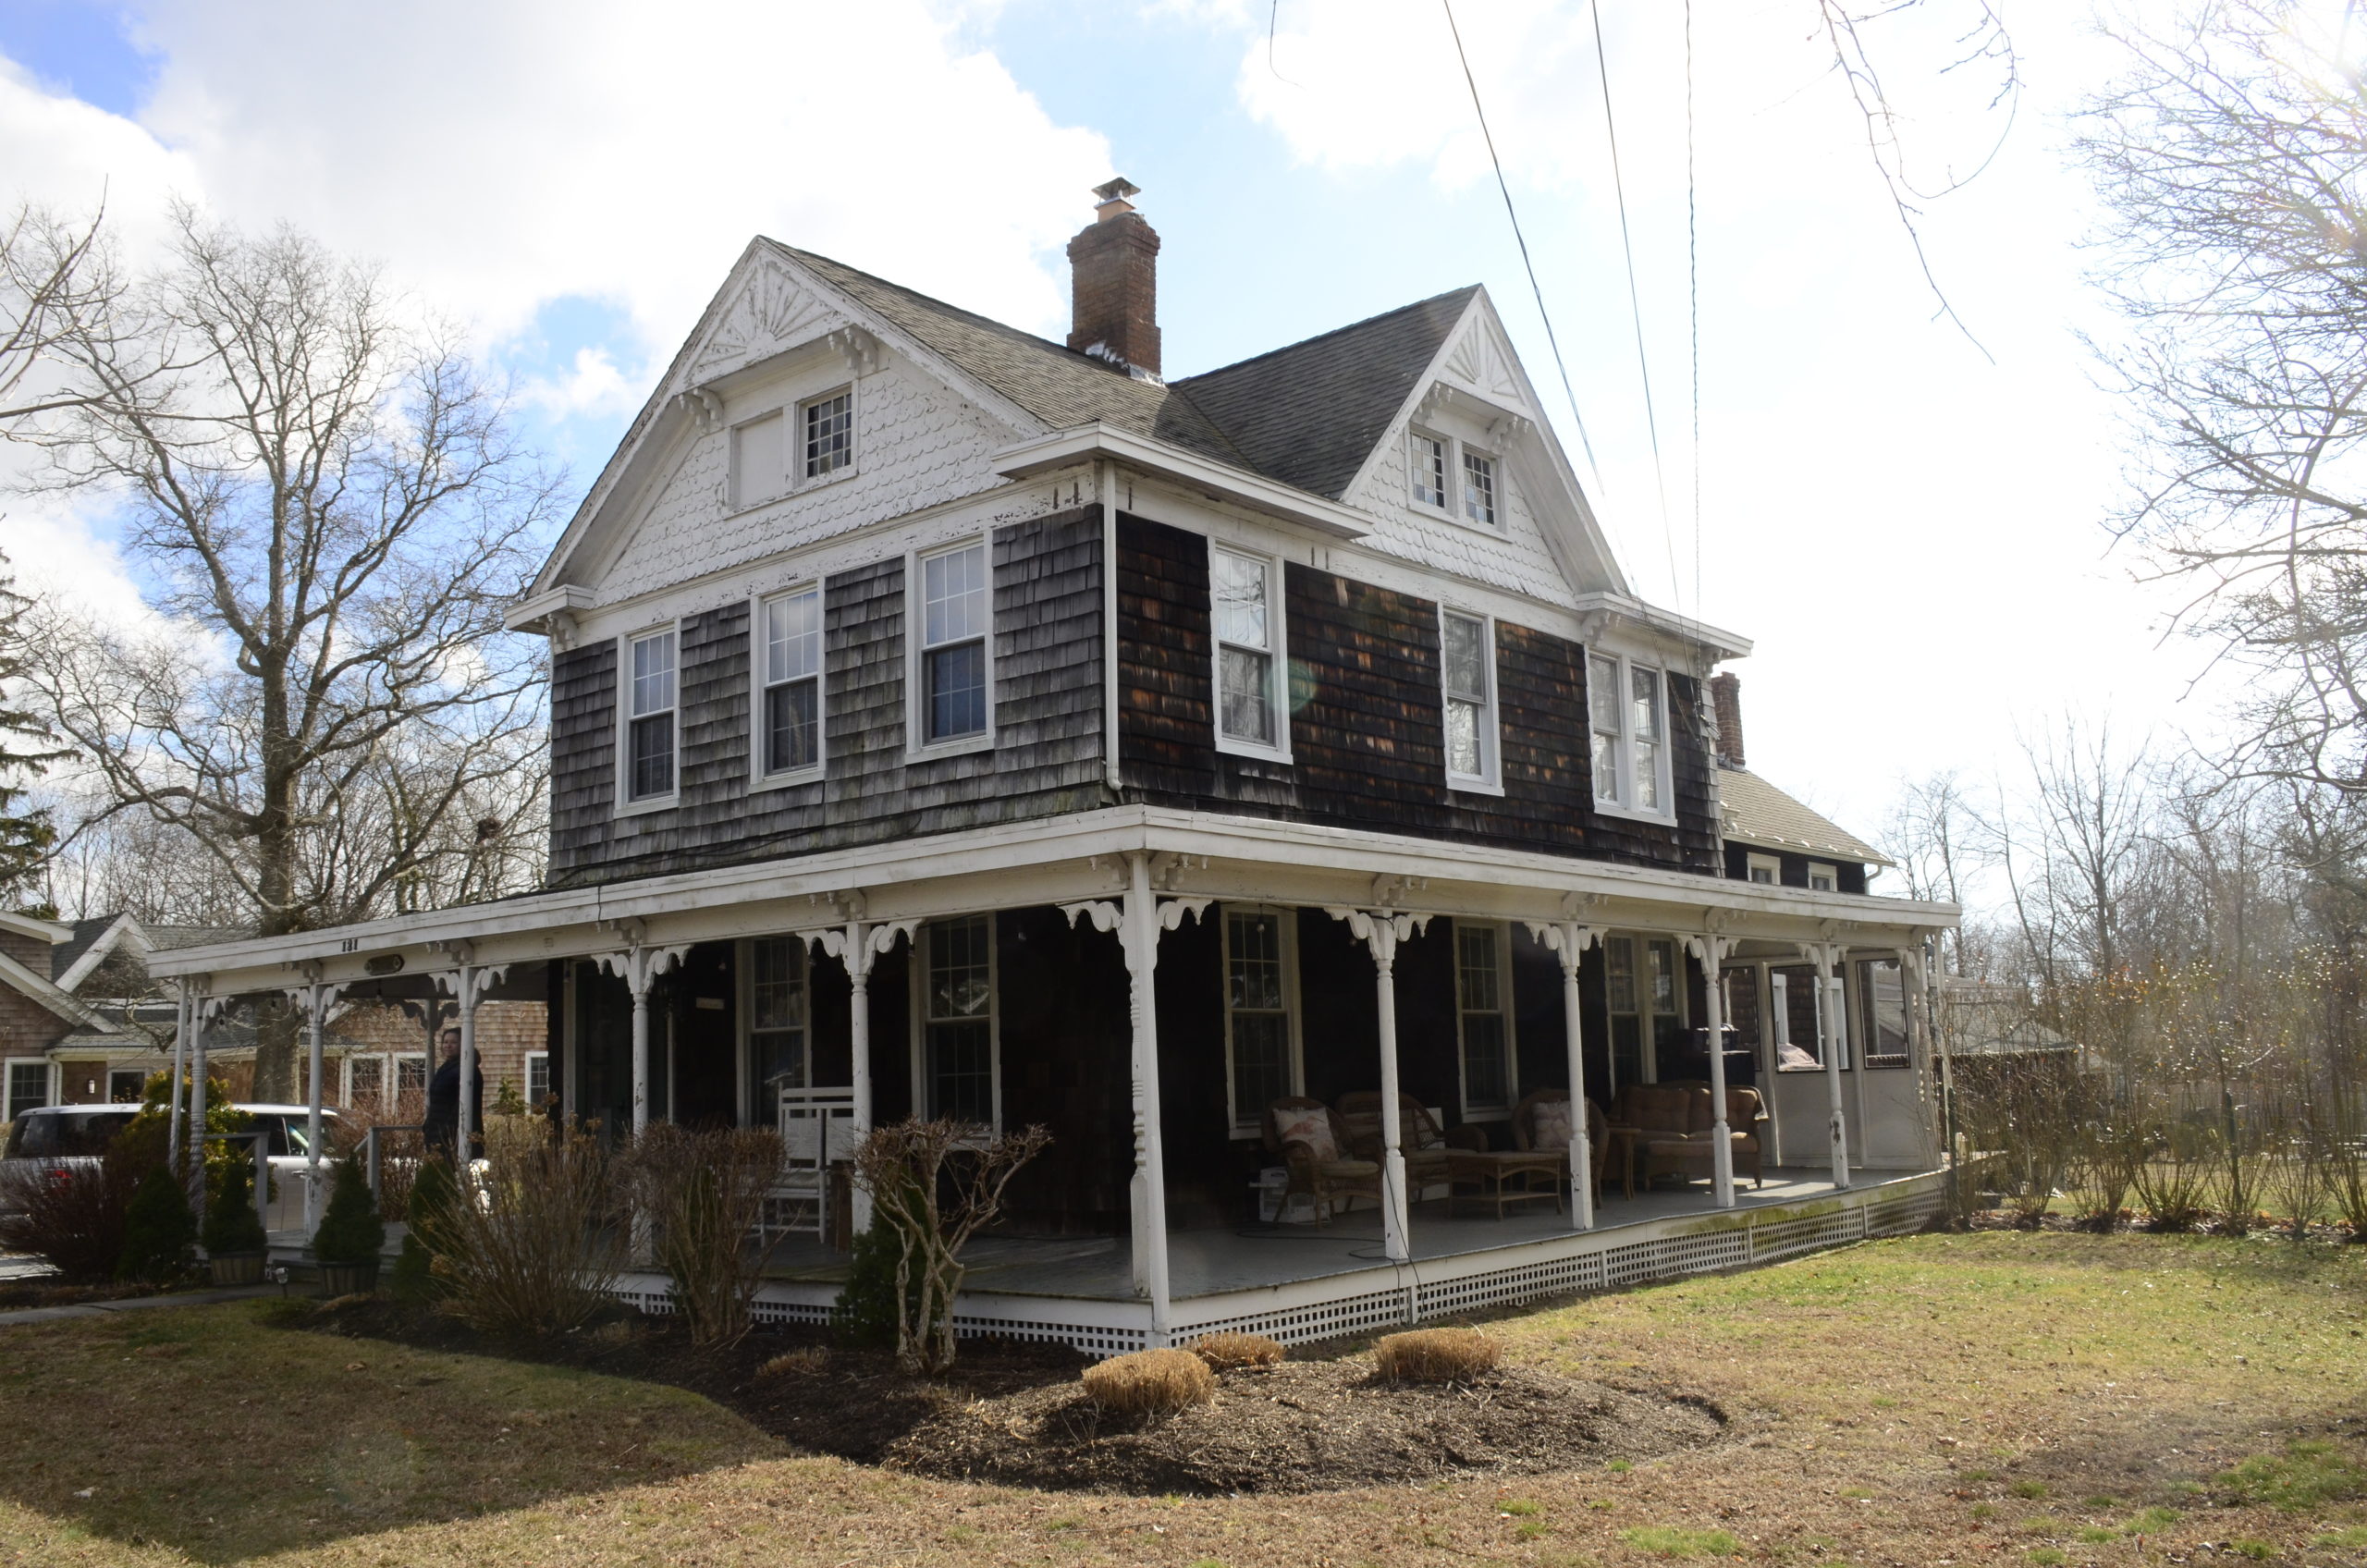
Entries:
{"x":1214,"y":1261}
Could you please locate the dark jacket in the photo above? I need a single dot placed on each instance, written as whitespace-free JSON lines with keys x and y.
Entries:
{"x":443,"y":1120}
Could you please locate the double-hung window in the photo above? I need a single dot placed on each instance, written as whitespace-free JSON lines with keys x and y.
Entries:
{"x":1478,"y":488}
{"x":1766,"y":870}
{"x":1429,"y":470}
{"x":955,"y":613}
{"x":790,"y":698}
{"x":957,"y":1020}
{"x":827,"y":423}
{"x":1823,"y":879}
{"x":756,"y":466}
{"x":775,"y":1015}
{"x":1249,"y":624}
{"x":1628,"y":708}
{"x":1446,"y":473}
{"x":1647,"y":1003}
{"x":1484,"y":1014}
{"x":649,"y":708}
{"x":28,"y":1085}
{"x":1468,"y":662}
{"x":1260,"y":1029}
{"x":1881,"y":1009}
{"x":539,"y":1079}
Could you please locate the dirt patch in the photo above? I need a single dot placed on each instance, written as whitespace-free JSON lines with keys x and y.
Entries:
{"x":1015,"y":1414}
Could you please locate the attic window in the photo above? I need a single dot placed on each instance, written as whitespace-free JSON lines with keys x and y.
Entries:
{"x":1430,"y":470}
{"x":830,"y":435}
{"x":756,"y":461}
{"x":1478,"y":488}
{"x":1823,"y":879}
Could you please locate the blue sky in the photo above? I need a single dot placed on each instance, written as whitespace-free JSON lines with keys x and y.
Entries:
{"x":1912,"y":533}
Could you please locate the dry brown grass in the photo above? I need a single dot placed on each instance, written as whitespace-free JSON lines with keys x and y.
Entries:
{"x":1230,"y":1353}
{"x":1150,"y":1382}
{"x":1436,"y":1355}
{"x":796,"y":1363}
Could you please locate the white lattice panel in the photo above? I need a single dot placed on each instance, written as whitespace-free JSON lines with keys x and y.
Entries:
{"x":1093,"y":1339}
{"x":1305,"y":1325}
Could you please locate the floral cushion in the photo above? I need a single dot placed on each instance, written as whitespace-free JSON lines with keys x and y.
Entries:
{"x":1310,"y":1125}
{"x":1550,"y":1125}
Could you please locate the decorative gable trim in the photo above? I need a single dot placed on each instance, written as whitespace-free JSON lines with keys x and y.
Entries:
{"x":49,"y":994}
{"x":1070,"y":448}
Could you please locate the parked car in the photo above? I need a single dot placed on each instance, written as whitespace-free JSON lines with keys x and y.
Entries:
{"x":55,"y":1143}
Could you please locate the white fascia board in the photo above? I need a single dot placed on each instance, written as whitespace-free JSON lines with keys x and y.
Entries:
{"x":96,"y":953}
{"x":67,"y":1006}
{"x":1068,"y":448}
{"x":534,"y":612}
{"x":1058,"y":860}
{"x":1617,"y":608}
{"x":47,"y":931}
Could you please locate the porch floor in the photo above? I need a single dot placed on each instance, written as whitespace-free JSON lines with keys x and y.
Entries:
{"x":1214,"y":1260}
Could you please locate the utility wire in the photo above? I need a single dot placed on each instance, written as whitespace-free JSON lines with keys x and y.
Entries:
{"x":1585,"y":441}
{"x":1693,"y":295}
{"x":1635,"y":305}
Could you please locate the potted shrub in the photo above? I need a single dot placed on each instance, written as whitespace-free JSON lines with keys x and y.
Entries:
{"x":348,"y":1244}
{"x":233,"y":1237}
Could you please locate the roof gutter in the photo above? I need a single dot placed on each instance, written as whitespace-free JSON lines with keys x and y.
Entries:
{"x":1066,"y":448}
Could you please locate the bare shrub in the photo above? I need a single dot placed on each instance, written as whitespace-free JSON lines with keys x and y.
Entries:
{"x":74,"y":1224}
{"x":2107,"y":1150}
{"x":1150,"y":1382}
{"x":2300,"y":1180}
{"x":933,"y":1184}
{"x":2173,"y":1182}
{"x":1230,"y":1353}
{"x":702,"y":1193}
{"x":532,"y":1246}
{"x":1435,"y":1355}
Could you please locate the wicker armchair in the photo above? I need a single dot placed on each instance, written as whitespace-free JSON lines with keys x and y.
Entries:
{"x":1313,"y":1143}
{"x":1671,"y":1125}
{"x":1426,"y":1148}
{"x":1541,"y":1122}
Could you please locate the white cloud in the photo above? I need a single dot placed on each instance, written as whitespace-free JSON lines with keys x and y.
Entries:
{"x":592,"y":384}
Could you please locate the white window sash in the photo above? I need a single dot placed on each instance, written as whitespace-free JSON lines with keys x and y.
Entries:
{"x":799,"y":439}
{"x":1503,"y":1012}
{"x":1489,"y":776}
{"x":1620,"y":799}
{"x":918,"y":646}
{"x":761,"y":775}
{"x":1247,"y":1121}
{"x":1275,"y":651}
{"x":922,"y":953}
{"x":630,"y":715}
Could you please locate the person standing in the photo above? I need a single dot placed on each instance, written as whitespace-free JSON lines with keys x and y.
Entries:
{"x":443,"y":1118}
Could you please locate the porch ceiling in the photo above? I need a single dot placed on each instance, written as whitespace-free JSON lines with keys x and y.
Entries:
{"x":1067,"y":860}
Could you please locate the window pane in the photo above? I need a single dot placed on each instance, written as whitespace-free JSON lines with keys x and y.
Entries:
{"x":1606,"y":765}
{"x":1465,"y":651}
{"x":756,"y":461}
{"x":1602,"y":693}
{"x":410,"y":1074}
{"x":794,"y":636}
{"x":1463,"y":753}
{"x":959,"y":972}
{"x":1647,"y":776}
{"x":1237,"y":593}
{"x":961,"y":1071}
{"x":1662,"y":956}
{"x":1261,"y":1061}
{"x":539,"y":1079}
{"x":960,"y":1038}
{"x":27,"y":1086}
{"x":792,"y":731}
{"x":653,"y":757}
{"x":1478,"y":488}
{"x":1475,"y":953}
{"x":1255,"y":978}
{"x":1645,"y":723}
{"x":953,"y":595}
{"x":1619,"y":966}
{"x":368,"y":1075}
{"x":777,"y":983}
{"x":1430,"y":470}
{"x":830,"y":431}
{"x":1485,"y":1060}
{"x":653,"y":674}
{"x":1247,"y":701}
{"x":957,"y":690}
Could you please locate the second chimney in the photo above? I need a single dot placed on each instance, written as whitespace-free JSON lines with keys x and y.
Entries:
{"x":1114,"y":273}
{"x":1725,"y":703}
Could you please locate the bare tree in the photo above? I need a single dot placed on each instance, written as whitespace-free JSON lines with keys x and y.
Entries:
{"x":334,"y":512}
{"x":59,"y":285}
{"x":28,"y":747}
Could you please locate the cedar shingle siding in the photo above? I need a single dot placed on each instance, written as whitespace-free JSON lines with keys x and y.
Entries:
{"x":1047,"y":724}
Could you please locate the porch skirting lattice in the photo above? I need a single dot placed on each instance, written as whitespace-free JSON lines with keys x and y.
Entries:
{"x":1391,"y":1296}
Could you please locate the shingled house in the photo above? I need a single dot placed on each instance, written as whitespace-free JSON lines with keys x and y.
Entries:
{"x":949,"y":721}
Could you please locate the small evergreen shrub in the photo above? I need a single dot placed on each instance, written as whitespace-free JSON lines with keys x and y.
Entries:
{"x":433,"y":1193}
{"x":1435,"y":1355}
{"x":1150,"y":1382}
{"x":158,"y":1231}
{"x":351,"y":1230}
{"x":866,"y":1306}
{"x":231,"y":1223}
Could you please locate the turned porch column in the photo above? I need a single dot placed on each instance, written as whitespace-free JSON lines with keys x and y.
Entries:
{"x":1829,"y":1033}
{"x":1712,"y":950}
{"x":315,"y":999}
{"x":858,"y":945}
{"x":180,"y":1059}
{"x":1568,"y":942}
{"x":639,"y":966}
{"x":1381,"y":931}
{"x":468,"y":986}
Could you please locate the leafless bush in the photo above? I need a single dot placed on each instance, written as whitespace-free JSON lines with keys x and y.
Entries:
{"x":1435,"y":1355}
{"x":532,"y":1247}
{"x":1228,"y":1352}
{"x":933,"y":1184}
{"x":2299,"y":1178}
{"x":1150,"y":1382}
{"x":2173,"y":1182}
{"x":702,"y":1193}
{"x":797,"y":1363}
{"x":74,"y":1224}
{"x":2107,"y":1148}
{"x":399,"y":1153}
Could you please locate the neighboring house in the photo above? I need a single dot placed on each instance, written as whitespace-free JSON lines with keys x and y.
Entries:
{"x":946,"y":721}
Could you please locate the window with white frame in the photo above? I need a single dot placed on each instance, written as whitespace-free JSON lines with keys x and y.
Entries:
{"x":791,"y":688}
{"x":956,"y":615}
{"x":1766,"y":870}
{"x":649,"y":707}
{"x":1478,"y":487}
{"x":1484,"y":1017}
{"x":1249,"y":653}
{"x":539,"y":1079}
{"x":1468,"y":665}
{"x":1881,"y":1011}
{"x":956,"y":1015}
{"x":1429,"y":457}
{"x":1642,"y":978}
{"x":1628,"y":708}
{"x":28,"y":1085}
{"x":757,"y":466}
{"x":1260,"y":1013}
{"x":1823,"y":879}
{"x":126,"y":1086}
{"x":828,"y":425}
{"x":777,"y":1017}
{"x":367,"y":1076}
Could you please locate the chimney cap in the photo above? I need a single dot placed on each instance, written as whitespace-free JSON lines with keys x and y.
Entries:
{"x":1113,"y":203}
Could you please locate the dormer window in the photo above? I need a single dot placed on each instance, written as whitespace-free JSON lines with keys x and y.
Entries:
{"x":1430,"y":470}
{"x":649,"y":706}
{"x":1627,"y":709}
{"x":1478,"y":488}
{"x":829,"y":424}
{"x":1823,"y":879}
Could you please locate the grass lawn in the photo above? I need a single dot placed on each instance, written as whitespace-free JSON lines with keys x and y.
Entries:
{"x":1999,"y":1398}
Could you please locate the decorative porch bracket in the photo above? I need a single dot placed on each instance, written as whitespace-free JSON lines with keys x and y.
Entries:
{"x":467,"y":986}
{"x":1711,"y":950}
{"x":858,"y":945}
{"x":1382,"y":930}
{"x":1568,"y":942}
{"x":315,"y":999}
{"x":639,"y":966}
{"x":1832,"y":1030}
{"x":1139,"y":922}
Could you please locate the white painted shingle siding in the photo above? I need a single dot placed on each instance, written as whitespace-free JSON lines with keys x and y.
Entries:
{"x":1513,"y":556}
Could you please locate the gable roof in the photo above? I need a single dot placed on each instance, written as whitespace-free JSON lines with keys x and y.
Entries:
{"x":1310,"y":414}
{"x":1752,"y":811}
{"x":74,"y":958}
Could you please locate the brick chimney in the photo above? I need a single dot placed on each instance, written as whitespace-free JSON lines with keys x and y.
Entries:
{"x":1113,"y":272}
{"x":1725,"y":702}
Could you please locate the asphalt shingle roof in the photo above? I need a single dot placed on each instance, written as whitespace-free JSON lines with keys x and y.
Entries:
{"x":1752,"y":811}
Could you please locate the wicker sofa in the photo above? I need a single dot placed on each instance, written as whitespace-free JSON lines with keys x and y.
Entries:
{"x":1670,"y":1128}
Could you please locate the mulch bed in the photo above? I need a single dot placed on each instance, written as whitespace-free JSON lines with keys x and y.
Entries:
{"x":2132,"y":1222}
{"x":1014,"y":1412}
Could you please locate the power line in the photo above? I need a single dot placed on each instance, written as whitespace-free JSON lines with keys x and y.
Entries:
{"x":1585,"y":441}
{"x":1693,"y":300}
{"x":1635,"y":305}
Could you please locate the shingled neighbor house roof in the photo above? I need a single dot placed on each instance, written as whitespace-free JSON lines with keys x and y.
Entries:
{"x":1754,"y":812}
{"x":1307,"y":416}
